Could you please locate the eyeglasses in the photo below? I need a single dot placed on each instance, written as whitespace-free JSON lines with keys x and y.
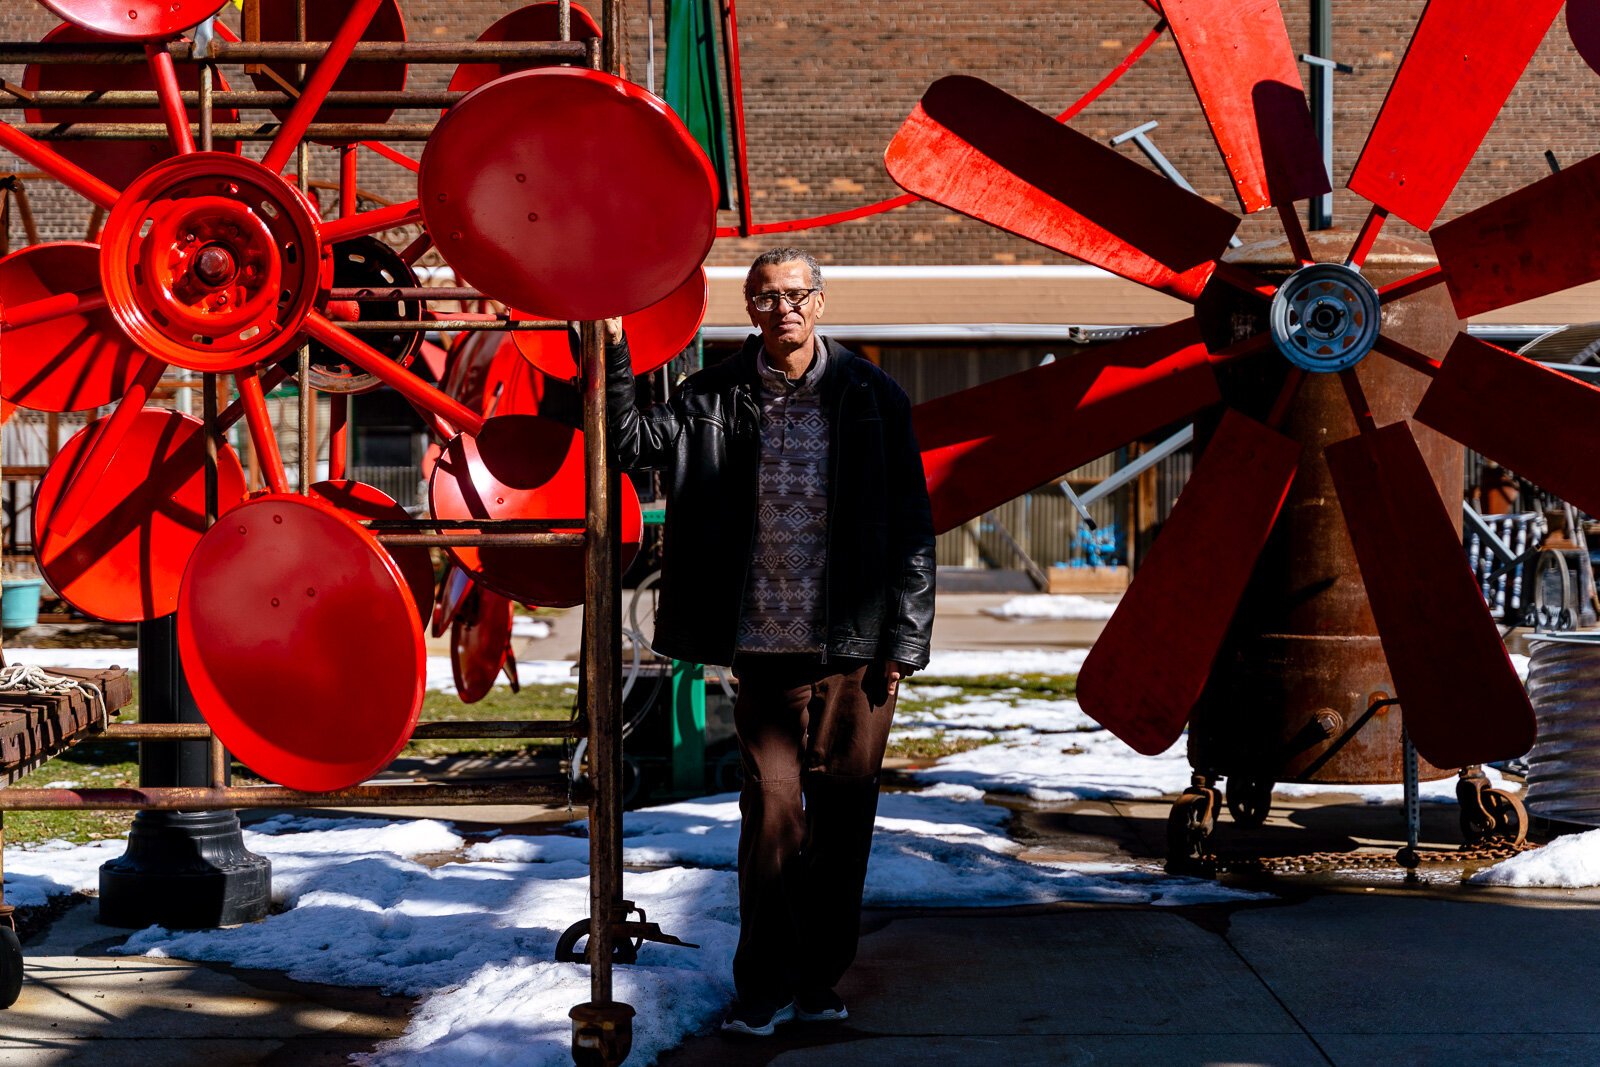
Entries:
{"x":795,"y":298}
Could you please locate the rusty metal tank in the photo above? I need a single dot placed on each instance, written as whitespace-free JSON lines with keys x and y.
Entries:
{"x":1303,"y":663}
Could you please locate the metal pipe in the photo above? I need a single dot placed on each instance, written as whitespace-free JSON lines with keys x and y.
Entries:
{"x":303,"y":429}
{"x":444,"y":729}
{"x":207,"y":100}
{"x":414,"y":292}
{"x":312,"y":93}
{"x":233,"y":131}
{"x":370,"y":222}
{"x":262,"y":434}
{"x":166,"y":80}
{"x":295,"y":51}
{"x":408,"y":385}
{"x":198,"y":798}
{"x":338,"y":435}
{"x":486,"y":537}
{"x":741,"y":161}
{"x":59,"y":167}
{"x":602,"y":679}
{"x":449,"y":325}
{"x":119,"y":99}
{"x":518,"y":525}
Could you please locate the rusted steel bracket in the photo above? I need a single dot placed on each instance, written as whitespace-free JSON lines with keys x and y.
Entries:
{"x":628,"y":937}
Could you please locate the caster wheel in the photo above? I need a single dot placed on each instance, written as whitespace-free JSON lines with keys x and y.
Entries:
{"x":1490,"y":816}
{"x":1249,"y":800}
{"x":1189,"y":826}
{"x":10,"y":967}
{"x":1509,"y":815}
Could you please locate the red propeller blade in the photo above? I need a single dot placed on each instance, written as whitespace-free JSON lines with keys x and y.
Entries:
{"x":1541,"y":239}
{"x":1148,"y":666}
{"x":985,"y":445}
{"x":1461,"y":698}
{"x":980,"y":151}
{"x":1478,"y":385}
{"x":1245,"y":73}
{"x":1463,"y":61}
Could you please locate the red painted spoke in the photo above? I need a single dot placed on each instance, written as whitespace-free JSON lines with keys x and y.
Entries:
{"x":58,"y":167}
{"x":402,"y":381}
{"x":392,"y":155}
{"x":54,"y":307}
{"x":1240,"y":349}
{"x":1358,"y":401}
{"x":416,"y":249}
{"x":1399,"y":290}
{"x":1364,"y":240}
{"x":92,"y":468}
{"x":338,"y":435}
{"x":368,"y":222}
{"x":1295,"y":232}
{"x":1406,"y":355}
{"x":322,"y":79}
{"x":254,"y":400}
{"x":166,"y":79}
{"x":1291,"y":388}
{"x":235,"y":411}
{"x":1244,"y":280}
{"x":347,"y":181}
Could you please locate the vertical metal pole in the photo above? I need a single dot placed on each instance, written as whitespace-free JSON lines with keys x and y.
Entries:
{"x":338,"y":435}
{"x":207,"y":103}
{"x":602,"y":608}
{"x":304,"y":448}
{"x":1413,"y":801}
{"x":1319,"y":210}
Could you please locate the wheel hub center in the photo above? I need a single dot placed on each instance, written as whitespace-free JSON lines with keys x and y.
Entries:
{"x":214,"y":265}
{"x":1325,"y":317}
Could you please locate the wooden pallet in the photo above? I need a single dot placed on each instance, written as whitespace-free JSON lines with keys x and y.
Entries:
{"x":37,"y":726}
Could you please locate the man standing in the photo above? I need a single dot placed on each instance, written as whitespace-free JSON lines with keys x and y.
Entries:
{"x":799,"y":550}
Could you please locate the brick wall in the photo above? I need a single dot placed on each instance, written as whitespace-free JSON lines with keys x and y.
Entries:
{"x":828,"y":82}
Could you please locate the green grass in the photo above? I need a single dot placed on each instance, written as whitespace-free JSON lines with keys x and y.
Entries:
{"x":87,"y":767}
{"x":933,"y":747}
{"x":540,"y":702}
{"x":110,"y":766}
{"x":1023,"y":686}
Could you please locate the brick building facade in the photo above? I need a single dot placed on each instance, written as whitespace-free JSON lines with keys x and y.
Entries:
{"x":827,"y":84}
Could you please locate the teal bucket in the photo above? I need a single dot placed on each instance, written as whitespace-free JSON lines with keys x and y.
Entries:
{"x":19,"y":603}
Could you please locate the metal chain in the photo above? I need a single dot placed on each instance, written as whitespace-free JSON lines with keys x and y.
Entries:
{"x":1317,"y":862}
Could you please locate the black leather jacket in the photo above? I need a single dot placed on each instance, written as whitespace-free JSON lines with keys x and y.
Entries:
{"x":878,"y":590}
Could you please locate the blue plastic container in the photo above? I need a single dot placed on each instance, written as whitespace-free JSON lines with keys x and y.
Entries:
{"x":19,"y":603}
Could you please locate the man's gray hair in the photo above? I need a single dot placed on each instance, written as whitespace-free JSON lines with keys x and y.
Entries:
{"x":784,"y":255}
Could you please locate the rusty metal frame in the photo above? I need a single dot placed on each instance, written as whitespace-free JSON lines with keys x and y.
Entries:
{"x":602,"y":1027}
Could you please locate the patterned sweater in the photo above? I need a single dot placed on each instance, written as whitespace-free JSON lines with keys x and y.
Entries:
{"x":783,"y":609}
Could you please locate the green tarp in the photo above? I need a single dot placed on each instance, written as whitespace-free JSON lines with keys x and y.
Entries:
{"x":693,"y":86}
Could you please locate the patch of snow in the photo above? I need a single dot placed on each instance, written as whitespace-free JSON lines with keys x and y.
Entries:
{"x":441,"y":678}
{"x":529,"y":626}
{"x":1570,"y":862}
{"x":88,"y":659}
{"x":1053,"y":606}
{"x":473,"y":936}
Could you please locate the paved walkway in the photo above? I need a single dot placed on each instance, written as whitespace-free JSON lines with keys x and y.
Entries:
{"x":1346,"y":969}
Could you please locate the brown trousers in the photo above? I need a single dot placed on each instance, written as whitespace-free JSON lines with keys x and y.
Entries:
{"x":812,"y":745}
